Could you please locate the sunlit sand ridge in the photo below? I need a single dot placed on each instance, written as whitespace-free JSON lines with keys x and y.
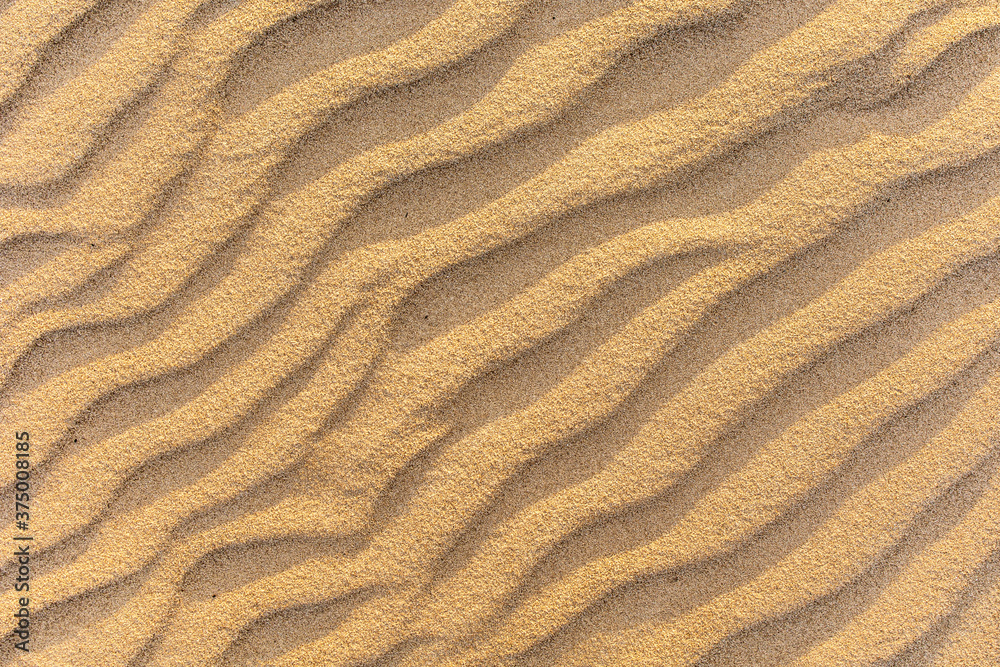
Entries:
{"x":511,"y":332}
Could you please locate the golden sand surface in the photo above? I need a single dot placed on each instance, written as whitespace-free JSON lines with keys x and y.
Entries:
{"x":478,"y":333}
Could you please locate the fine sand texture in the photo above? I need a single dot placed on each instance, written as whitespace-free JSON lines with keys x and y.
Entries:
{"x":490,"y":333}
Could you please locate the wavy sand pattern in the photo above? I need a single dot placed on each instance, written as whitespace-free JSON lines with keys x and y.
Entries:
{"x":503,"y":332}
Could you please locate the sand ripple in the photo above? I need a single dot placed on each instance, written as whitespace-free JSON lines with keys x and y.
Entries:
{"x":505,"y":332}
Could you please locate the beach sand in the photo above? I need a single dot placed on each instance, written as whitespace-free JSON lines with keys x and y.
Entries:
{"x":483,"y":333}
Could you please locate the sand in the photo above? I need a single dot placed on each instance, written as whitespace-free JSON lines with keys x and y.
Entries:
{"x":484,"y":333}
